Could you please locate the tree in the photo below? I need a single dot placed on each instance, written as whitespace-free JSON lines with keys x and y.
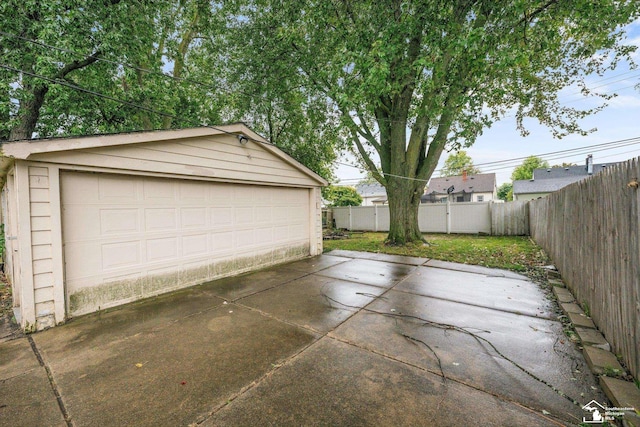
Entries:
{"x":525,"y":170}
{"x":411,"y":79}
{"x":564,"y":165}
{"x":37,"y":94}
{"x":458,"y":163}
{"x":505,"y":192}
{"x":341,"y":196}
{"x":173,"y":64}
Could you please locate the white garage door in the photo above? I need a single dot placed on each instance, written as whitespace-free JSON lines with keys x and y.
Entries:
{"x":128,"y":237}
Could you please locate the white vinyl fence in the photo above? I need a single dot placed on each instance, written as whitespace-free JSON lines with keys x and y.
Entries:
{"x":461,"y":218}
{"x":432,"y":218}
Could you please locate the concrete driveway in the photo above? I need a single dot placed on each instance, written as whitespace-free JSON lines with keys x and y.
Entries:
{"x":346,"y":338}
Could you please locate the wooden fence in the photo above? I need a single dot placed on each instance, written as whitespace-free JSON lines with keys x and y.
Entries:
{"x":465,"y":218}
{"x":590,"y":230}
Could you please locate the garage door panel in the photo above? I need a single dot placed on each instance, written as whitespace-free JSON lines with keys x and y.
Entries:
{"x":119,"y":221}
{"x":159,"y":190}
{"x":193,"y":192}
{"x":169,"y":233}
{"x":221,"y":216}
{"x":221,"y":242}
{"x":195,"y":245}
{"x":84,"y":222}
{"x":244,"y":215}
{"x":160,"y":219}
{"x":162,"y":249}
{"x":193,"y":217}
{"x":117,"y":189}
{"x":120,"y":254}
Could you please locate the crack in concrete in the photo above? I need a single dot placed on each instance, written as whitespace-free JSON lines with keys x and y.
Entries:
{"x":54,"y":387}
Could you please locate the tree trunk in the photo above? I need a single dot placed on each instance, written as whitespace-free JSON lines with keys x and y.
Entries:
{"x":404,"y":201}
{"x":29,"y":114}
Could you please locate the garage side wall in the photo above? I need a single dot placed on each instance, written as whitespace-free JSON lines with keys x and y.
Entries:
{"x":45,"y":275}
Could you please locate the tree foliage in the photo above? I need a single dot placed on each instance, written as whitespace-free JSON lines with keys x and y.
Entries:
{"x":505,"y":192}
{"x":409,"y":79}
{"x":456,"y":164}
{"x":172,"y":64}
{"x":525,"y":170}
{"x":341,"y":196}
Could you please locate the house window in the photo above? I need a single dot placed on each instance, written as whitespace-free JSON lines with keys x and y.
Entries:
{"x":481,"y":198}
{"x":460,"y":199}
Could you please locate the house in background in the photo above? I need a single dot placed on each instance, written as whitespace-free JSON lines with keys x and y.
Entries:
{"x":372,"y":194}
{"x":548,"y":180}
{"x":464,"y":188}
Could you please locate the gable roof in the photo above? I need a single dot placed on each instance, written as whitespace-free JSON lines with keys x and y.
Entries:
{"x":527,"y":186}
{"x":35,"y":149}
{"x":371,"y":190}
{"x":479,"y":183}
{"x":581,"y":171}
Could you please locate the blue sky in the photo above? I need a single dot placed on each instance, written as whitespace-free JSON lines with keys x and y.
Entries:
{"x":620,"y":120}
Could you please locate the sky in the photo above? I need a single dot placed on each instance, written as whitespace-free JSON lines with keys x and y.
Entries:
{"x":619,"y":120}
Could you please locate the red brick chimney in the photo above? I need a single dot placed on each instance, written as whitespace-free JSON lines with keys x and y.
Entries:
{"x":464,"y":174}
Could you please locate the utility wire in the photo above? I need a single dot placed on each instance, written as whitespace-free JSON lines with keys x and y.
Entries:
{"x":121,"y":64}
{"x":208,"y":86}
{"x":121,"y":101}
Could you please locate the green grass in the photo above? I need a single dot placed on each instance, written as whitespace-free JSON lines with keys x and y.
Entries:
{"x":508,"y":252}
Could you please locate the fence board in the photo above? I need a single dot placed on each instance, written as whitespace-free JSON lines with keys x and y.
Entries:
{"x":591,"y":229}
{"x":510,"y":219}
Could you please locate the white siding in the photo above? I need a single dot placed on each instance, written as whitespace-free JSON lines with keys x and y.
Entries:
{"x":219,"y":157}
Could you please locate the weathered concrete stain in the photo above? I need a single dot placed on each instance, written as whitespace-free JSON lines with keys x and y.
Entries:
{"x":120,"y":292}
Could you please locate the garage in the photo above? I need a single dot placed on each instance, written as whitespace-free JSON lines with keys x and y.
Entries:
{"x":95,"y":222}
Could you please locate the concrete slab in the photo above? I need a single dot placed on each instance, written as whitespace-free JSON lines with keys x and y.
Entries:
{"x":368,"y":272}
{"x":593,"y":338}
{"x":396,"y":259}
{"x":602,"y":361}
{"x":170,"y":376}
{"x":624,"y":395}
{"x":26,"y":396}
{"x":345,"y":385}
{"x":535,"y":344}
{"x":511,"y":295}
{"x":300,"y":346}
{"x":564,"y":295}
{"x":233,"y":288}
{"x":477,"y":269}
{"x":307,"y":301}
{"x":311,"y":265}
{"x":571,"y":307}
{"x":581,"y":320}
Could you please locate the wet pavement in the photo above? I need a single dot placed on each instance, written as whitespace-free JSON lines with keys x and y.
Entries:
{"x":346,"y":338}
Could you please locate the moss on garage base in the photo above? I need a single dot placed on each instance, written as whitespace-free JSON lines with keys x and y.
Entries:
{"x":120,"y":292}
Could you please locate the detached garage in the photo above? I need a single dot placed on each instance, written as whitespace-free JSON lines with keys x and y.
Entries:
{"x":95,"y":222}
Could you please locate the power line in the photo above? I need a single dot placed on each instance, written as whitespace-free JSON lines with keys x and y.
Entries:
{"x":99,"y":58}
{"x":121,"y":101}
{"x":554,"y":155}
{"x":208,"y":86}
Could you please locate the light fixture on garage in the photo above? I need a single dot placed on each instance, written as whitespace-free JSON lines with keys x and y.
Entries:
{"x":242,"y":139}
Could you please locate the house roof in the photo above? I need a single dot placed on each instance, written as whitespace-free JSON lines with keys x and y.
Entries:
{"x":25,"y":149}
{"x":371,"y":190}
{"x":527,"y":186}
{"x":581,"y":171}
{"x":479,"y":183}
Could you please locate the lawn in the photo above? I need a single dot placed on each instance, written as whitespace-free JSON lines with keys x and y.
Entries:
{"x":508,"y":252}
